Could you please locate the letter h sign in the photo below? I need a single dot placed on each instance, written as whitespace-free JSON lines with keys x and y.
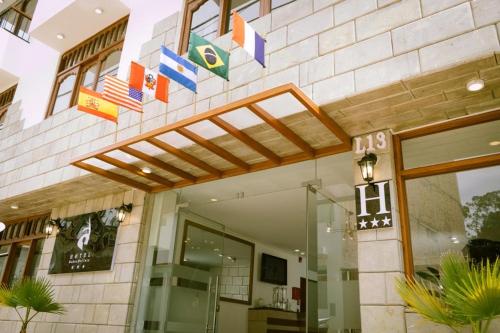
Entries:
{"x":373,"y":206}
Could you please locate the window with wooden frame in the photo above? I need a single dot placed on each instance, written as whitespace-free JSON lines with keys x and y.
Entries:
{"x":448,"y":182}
{"x":86,"y":65}
{"x":6,"y":98}
{"x":21,"y":247}
{"x":17,"y":18}
{"x":212,"y":18}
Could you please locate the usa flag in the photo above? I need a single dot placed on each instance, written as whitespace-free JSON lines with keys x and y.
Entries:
{"x":118,"y":91}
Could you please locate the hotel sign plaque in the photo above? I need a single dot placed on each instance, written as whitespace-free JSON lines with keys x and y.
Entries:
{"x":85,"y":243}
{"x":373,"y":206}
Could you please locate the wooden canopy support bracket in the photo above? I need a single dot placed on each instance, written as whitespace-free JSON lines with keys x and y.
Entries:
{"x":246,"y":139}
{"x":282,"y":129}
{"x":212,"y":147}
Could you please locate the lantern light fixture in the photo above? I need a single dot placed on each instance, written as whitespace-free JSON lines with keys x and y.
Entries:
{"x":123,"y":210}
{"x":367,"y":166}
{"x":49,"y":227}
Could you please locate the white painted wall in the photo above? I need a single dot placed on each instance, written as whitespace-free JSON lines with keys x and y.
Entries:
{"x":233,"y":317}
{"x":37,"y":70}
{"x":35,"y":64}
{"x":140,"y":27}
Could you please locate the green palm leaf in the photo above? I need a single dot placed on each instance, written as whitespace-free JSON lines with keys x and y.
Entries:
{"x":468,"y":294}
{"x":36,"y":294}
{"x":477,"y":295}
{"x":423,"y":299}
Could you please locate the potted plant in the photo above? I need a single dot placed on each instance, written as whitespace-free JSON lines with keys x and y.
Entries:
{"x":462,"y":294}
{"x":34,"y":295}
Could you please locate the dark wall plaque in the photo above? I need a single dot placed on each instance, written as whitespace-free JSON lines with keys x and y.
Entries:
{"x":373,"y":206}
{"x":85,"y":243}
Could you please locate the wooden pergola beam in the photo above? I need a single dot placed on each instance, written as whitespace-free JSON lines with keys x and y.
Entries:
{"x":317,"y":112}
{"x":184,"y":156}
{"x":113,"y":176}
{"x":246,"y":139}
{"x":282,"y":129}
{"x":135,"y":170}
{"x":158,"y":163}
{"x":207,"y":144}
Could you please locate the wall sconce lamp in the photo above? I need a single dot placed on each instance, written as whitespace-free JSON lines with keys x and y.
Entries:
{"x":123,"y":210}
{"x":367,"y":166}
{"x":49,"y":228}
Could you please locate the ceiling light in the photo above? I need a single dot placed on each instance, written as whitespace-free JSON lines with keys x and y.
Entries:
{"x":214,"y":199}
{"x":475,"y":85}
{"x":456,"y":241}
{"x":216,"y":250}
{"x":296,"y":250}
{"x":328,"y":229}
{"x":2,"y":225}
{"x":98,"y":11}
{"x":302,"y":253}
{"x":146,"y":170}
{"x":14,"y":206}
{"x":495,"y":143}
{"x":60,"y":36}
{"x":453,"y":238}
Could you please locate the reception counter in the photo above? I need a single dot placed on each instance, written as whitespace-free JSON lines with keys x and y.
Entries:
{"x":270,"y":320}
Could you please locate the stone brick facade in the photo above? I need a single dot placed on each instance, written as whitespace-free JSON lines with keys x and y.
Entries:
{"x":331,"y":49}
{"x":95,"y":302}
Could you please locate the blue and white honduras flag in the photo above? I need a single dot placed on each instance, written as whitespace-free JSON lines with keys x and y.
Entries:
{"x":178,"y":68}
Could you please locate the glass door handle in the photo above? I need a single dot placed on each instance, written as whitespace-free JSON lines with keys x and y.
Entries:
{"x":216,"y":304}
{"x":207,"y":317}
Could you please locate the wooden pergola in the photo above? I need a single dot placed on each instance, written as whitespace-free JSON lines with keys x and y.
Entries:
{"x":177,"y":156}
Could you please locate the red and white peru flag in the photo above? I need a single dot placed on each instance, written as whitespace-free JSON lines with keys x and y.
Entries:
{"x":149,"y":82}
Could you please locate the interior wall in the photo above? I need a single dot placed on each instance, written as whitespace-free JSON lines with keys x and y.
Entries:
{"x":233,"y":317}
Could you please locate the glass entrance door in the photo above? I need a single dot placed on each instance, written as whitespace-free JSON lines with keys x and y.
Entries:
{"x":332,"y":292}
{"x":195,"y":276}
{"x":181,"y":278}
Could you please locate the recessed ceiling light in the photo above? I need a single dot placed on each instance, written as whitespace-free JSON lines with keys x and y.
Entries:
{"x":456,"y":241}
{"x":296,"y":250}
{"x":302,"y":253}
{"x":14,"y":206}
{"x":2,"y":226}
{"x":475,"y":85}
{"x":98,"y":11}
{"x":453,"y":238}
{"x":60,"y":36}
{"x":495,"y":143}
{"x":146,"y":170}
{"x":214,"y":199}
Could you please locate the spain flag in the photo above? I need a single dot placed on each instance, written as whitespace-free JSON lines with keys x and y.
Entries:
{"x":92,"y":102}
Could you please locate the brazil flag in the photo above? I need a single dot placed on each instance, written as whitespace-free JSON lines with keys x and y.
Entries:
{"x":208,"y":55}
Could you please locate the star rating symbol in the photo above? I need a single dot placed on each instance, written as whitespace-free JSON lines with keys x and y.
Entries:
{"x":374,"y":222}
{"x":362,"y":224}
{"x":386,"y":221}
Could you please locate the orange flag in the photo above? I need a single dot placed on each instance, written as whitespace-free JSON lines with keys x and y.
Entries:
{"x":92,"y":102}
